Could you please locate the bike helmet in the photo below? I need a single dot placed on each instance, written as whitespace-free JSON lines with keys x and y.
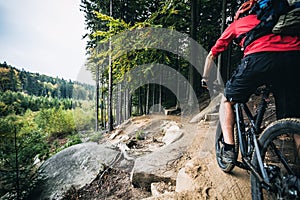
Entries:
{"x":245,"y":7}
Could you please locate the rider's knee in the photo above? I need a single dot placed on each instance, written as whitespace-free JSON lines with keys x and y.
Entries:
{"x":225,"y":100}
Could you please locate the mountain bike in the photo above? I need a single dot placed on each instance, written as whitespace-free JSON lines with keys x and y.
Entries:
{"x":270,"y":153}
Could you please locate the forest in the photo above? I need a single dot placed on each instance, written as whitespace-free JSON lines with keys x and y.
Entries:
{"x":142,"y":55}
{"x":39,"y":116}
{"x":152,"y":39}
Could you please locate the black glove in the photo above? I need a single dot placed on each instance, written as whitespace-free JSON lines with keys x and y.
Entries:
{"x":203,"y":84}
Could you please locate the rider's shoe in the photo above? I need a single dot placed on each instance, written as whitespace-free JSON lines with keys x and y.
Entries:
{"x":228,"y":156}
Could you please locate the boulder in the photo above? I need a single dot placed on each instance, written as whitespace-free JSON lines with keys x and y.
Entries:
{"x":211,"y":108}
{"x":172,"y":135}
{"x":184,"y":182}
{"x":159,"y":165}
{"x":75,"y":166}
{"x":153,"y":167}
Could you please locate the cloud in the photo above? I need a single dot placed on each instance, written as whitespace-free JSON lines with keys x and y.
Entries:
{"x":43,"y":36}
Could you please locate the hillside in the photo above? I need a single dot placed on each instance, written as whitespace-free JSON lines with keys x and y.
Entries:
{"x":39,"y":116}
{"x":15,"y":80}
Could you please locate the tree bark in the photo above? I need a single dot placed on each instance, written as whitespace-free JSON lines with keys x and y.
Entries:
{"x":147,"y":99}
{"x":110,"y":116}
{"x":97,"y":100}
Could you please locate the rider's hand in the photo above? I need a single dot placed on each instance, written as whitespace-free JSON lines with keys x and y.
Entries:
{"x":204,"y":83}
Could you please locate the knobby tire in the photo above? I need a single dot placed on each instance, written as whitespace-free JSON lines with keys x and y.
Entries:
{"x":278,"y":139}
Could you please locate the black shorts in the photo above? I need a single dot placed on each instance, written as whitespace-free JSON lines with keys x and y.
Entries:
{"x":280,"y":69}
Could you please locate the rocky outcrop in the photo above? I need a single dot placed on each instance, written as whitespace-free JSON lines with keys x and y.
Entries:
{"x":148,"y":149}
{"x":76,"y":167}
{"x":154,"y":167}
{"x":159,"y":165}
{"x":212,"y":108}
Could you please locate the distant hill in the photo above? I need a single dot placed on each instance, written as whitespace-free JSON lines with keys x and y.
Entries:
{"x":15,"y":80}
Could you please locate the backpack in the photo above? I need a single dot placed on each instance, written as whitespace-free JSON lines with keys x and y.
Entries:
{"x":276,"y":16}
{"x":289,"y":23}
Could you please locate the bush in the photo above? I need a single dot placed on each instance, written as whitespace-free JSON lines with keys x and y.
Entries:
{"x":84,"y":120}
{"x":55,"y":122}
{"x":71,"y":140}
{"x":19,"y":146}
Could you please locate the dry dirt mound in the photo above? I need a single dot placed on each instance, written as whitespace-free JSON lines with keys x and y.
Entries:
{"x":110,"y":185}
{"x":207,"y":180}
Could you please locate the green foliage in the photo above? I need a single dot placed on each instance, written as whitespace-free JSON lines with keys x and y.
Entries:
{"x":140,"y":135}
{"x":36,"y":121}
{"x":12,"y":79}
{"x":55,"y":122}
{"x":20,"y":145}
{"x":34,"y":135}
{"x":71,"y":140}
{"x":18,"y":103}
{"x":95,"y":137}
{"x":84,"y":119}
{"x":201,"y":20}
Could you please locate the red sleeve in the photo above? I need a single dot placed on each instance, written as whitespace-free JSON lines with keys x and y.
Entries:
{"x":222,"y":43}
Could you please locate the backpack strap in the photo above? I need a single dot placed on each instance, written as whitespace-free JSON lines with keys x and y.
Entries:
{"x":268,"y":17}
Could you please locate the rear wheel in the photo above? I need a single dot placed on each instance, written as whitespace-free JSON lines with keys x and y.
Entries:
{"x":280,"y":154}
{"x":219,"y":143}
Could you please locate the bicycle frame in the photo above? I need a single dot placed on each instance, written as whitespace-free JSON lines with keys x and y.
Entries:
{"x":248,"y":138}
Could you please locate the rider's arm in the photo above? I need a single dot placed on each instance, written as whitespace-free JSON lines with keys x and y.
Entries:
{"x":225,"y":39}
{"x":221,"y":44}
{"x":207,"y":66}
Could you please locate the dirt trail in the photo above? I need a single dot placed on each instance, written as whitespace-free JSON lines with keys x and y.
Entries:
{"x":199,"y":163}
{"x":212,"y":181}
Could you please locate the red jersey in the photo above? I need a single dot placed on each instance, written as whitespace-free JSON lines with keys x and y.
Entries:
{"x":270,"y":42}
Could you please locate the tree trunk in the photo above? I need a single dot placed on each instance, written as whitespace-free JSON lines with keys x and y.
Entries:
{"x":120,"y":105}
{"x":153,"y":97}
{"x":129,"y":105}
{"x":102,"y":105}
{"x":224,"y":3}
{"x":178,"y":84}
{"x":117,"y":105}
{"x":125,"y":104}
{"x":110,"y":116}
{"x":193,"y":51}
{"x":147,"y":99}
{"x":97,"y":100}
{"x":160,"y":92}
{"x":140,"y":101}
{"x":17,"y":165}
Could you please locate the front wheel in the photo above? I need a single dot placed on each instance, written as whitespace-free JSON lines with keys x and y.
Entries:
{"x":279,"y":150}
{"x":219,"y":143}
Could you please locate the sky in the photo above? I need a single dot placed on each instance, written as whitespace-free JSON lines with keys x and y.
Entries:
{"x":43,"y":36}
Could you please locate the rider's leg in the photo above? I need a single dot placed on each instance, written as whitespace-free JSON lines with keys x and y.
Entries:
{"x":226,"y":116}
{"x":297,"y":143}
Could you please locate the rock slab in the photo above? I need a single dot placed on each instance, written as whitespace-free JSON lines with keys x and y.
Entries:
{"x":75,"y":166}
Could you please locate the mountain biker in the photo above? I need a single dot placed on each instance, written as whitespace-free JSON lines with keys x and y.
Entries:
{"x":270,"y":59}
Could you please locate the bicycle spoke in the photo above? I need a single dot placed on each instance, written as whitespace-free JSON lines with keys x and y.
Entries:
{"x":282,"y":158}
